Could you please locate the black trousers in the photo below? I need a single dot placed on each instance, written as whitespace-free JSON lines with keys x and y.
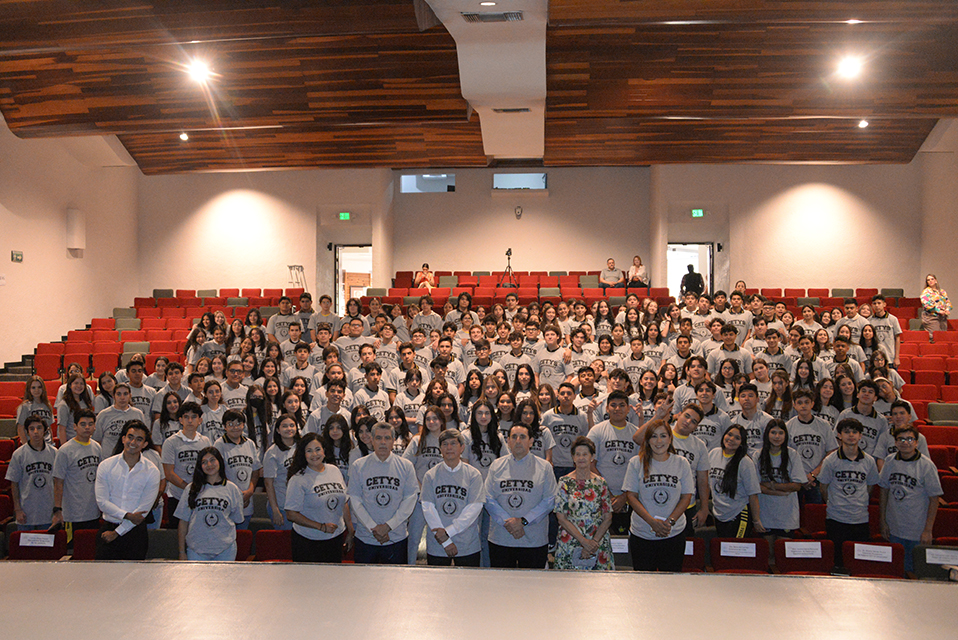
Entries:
{"x":663,"y":554}
{"x":738,"y":527}
{"x":472,"y":560}
{"x":171,"y":521}
{"x":518,"y":557}
{"x":324,"y":551}
{"x":133,"y":545}
{"x":839,"y":533}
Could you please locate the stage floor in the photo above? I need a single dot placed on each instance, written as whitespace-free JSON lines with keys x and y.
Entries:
{"x":193,"y":601}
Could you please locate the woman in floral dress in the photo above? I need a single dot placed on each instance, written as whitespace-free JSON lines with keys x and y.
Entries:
{"x":584,"y":510}
{"x":935,"y":306}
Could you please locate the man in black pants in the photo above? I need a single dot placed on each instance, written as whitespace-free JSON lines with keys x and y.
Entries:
{"x":127,"y":485}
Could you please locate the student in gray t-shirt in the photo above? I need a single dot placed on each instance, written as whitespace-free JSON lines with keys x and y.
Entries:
{"x":207,"y":516}
{"x":30,"y":473}
{"x":74,"y":476}
{"x":277,"y":328}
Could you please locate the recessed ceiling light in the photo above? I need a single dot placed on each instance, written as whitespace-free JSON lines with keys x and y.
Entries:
{"x":862,"y":124}
{"x":184,"y":137}
{"x":853,"y":21}
{"x":199,"y":71}
{"x":850,"y":67}
{"x":487,"y":4}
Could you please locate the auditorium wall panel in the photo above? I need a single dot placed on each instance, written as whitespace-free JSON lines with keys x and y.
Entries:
{"x":802,"y":226}
{"x":588,"y":215}
{"x":54,"y":290}
{"x":242,"y":230}
{"x":939,"y":160}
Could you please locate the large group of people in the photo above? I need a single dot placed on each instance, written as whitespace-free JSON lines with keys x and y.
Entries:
{"x":512,"y":436}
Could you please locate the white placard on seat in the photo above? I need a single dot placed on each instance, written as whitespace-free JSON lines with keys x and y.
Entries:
{"x":803,"y":549}
{"x":872,"y":552}
{"x":36,"y":540}
{"x":738,"y":549}
{"x":689,"y":548}
{"x":941,"y":556}
{"x":620,"y":545}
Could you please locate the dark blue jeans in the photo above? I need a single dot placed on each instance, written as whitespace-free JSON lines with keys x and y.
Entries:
{"x":394,"y":553}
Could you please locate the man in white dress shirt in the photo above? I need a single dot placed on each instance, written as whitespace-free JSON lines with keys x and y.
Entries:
{"x":127,"y":486}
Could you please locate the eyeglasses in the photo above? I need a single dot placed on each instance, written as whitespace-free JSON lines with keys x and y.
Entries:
{"x":905,"y":439}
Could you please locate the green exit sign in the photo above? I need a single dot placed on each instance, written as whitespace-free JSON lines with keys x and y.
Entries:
{"x":344,"y":215}
{"x":698,"y":213}
{"x":16,"y":256}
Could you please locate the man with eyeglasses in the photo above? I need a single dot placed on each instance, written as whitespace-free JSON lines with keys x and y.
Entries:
{"x":900,"y":416}
{"x":234,"y":393}
{"x":909,"y":494}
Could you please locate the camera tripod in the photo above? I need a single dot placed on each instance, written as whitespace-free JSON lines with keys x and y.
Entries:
{"x":508,"y":278}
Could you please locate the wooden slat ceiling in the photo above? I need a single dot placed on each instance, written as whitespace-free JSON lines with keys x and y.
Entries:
{"x":355,"y":83}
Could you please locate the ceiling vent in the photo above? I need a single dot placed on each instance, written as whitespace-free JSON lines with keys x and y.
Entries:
{"x":513,"y":110}
{"x":504,"y":16}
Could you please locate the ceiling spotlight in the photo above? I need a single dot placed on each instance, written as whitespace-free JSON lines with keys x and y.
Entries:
{"x":853,"y":21}
{"x":850,"y":67}
{"x":862,"y":124}
{"x":184,"y":137}
{"x":199,"y":71}
{"x":487,"y":4}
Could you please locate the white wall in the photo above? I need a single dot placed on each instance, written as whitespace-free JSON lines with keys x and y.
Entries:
{"x":801,"y":226}
{"x":52,"y":291}
{"x":587,"y":216}
{"x":939,"y":162}
{"x":211,"y":231}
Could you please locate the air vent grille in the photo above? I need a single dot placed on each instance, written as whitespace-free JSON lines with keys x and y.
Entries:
{"x":512,"y":110}
{"x":503,"y":16}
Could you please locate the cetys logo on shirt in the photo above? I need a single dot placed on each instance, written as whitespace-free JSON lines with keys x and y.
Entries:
{"x":91,"y":475}
{"x":449,"y":507}
{"x":39,"y":481}
{"x":212,"y":519}
{"x":898,"y":493}
{"x":661,"y":496}
{"x":383,"y":498}
{"x":515,"y":500}
{"x":242,"y":475}
{"x":332,"y":502}
{"x":849,"y":488}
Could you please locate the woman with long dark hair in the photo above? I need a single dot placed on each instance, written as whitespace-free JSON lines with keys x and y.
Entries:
{"x":735,"y":487}
{"x":781,"y":475}
{"x":316,"y":505}
{"x":276,"y":462}
{"x":659,"y":486}
{"x":210,"y":513}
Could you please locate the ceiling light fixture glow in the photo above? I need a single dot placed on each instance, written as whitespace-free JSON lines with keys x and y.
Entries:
{"x":487,"y":4}
{"x":850,"y":67}
{"x":184,"y":137}
{"x":862,"y":124}
{"x":199,"y":71}
{"x":853,"y":21}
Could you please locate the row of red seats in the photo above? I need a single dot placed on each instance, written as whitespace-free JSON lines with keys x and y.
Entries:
{"x":726,"y":554}
{"x":84,"y":546}
{"x":813,"y":522}
{"x":542,"y":278}
{"x":751,"y":556}
{"x":183,"y":303}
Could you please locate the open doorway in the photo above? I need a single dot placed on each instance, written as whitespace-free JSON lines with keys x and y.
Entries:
{"x":353,"y":273}
{"x":678,"y":258}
